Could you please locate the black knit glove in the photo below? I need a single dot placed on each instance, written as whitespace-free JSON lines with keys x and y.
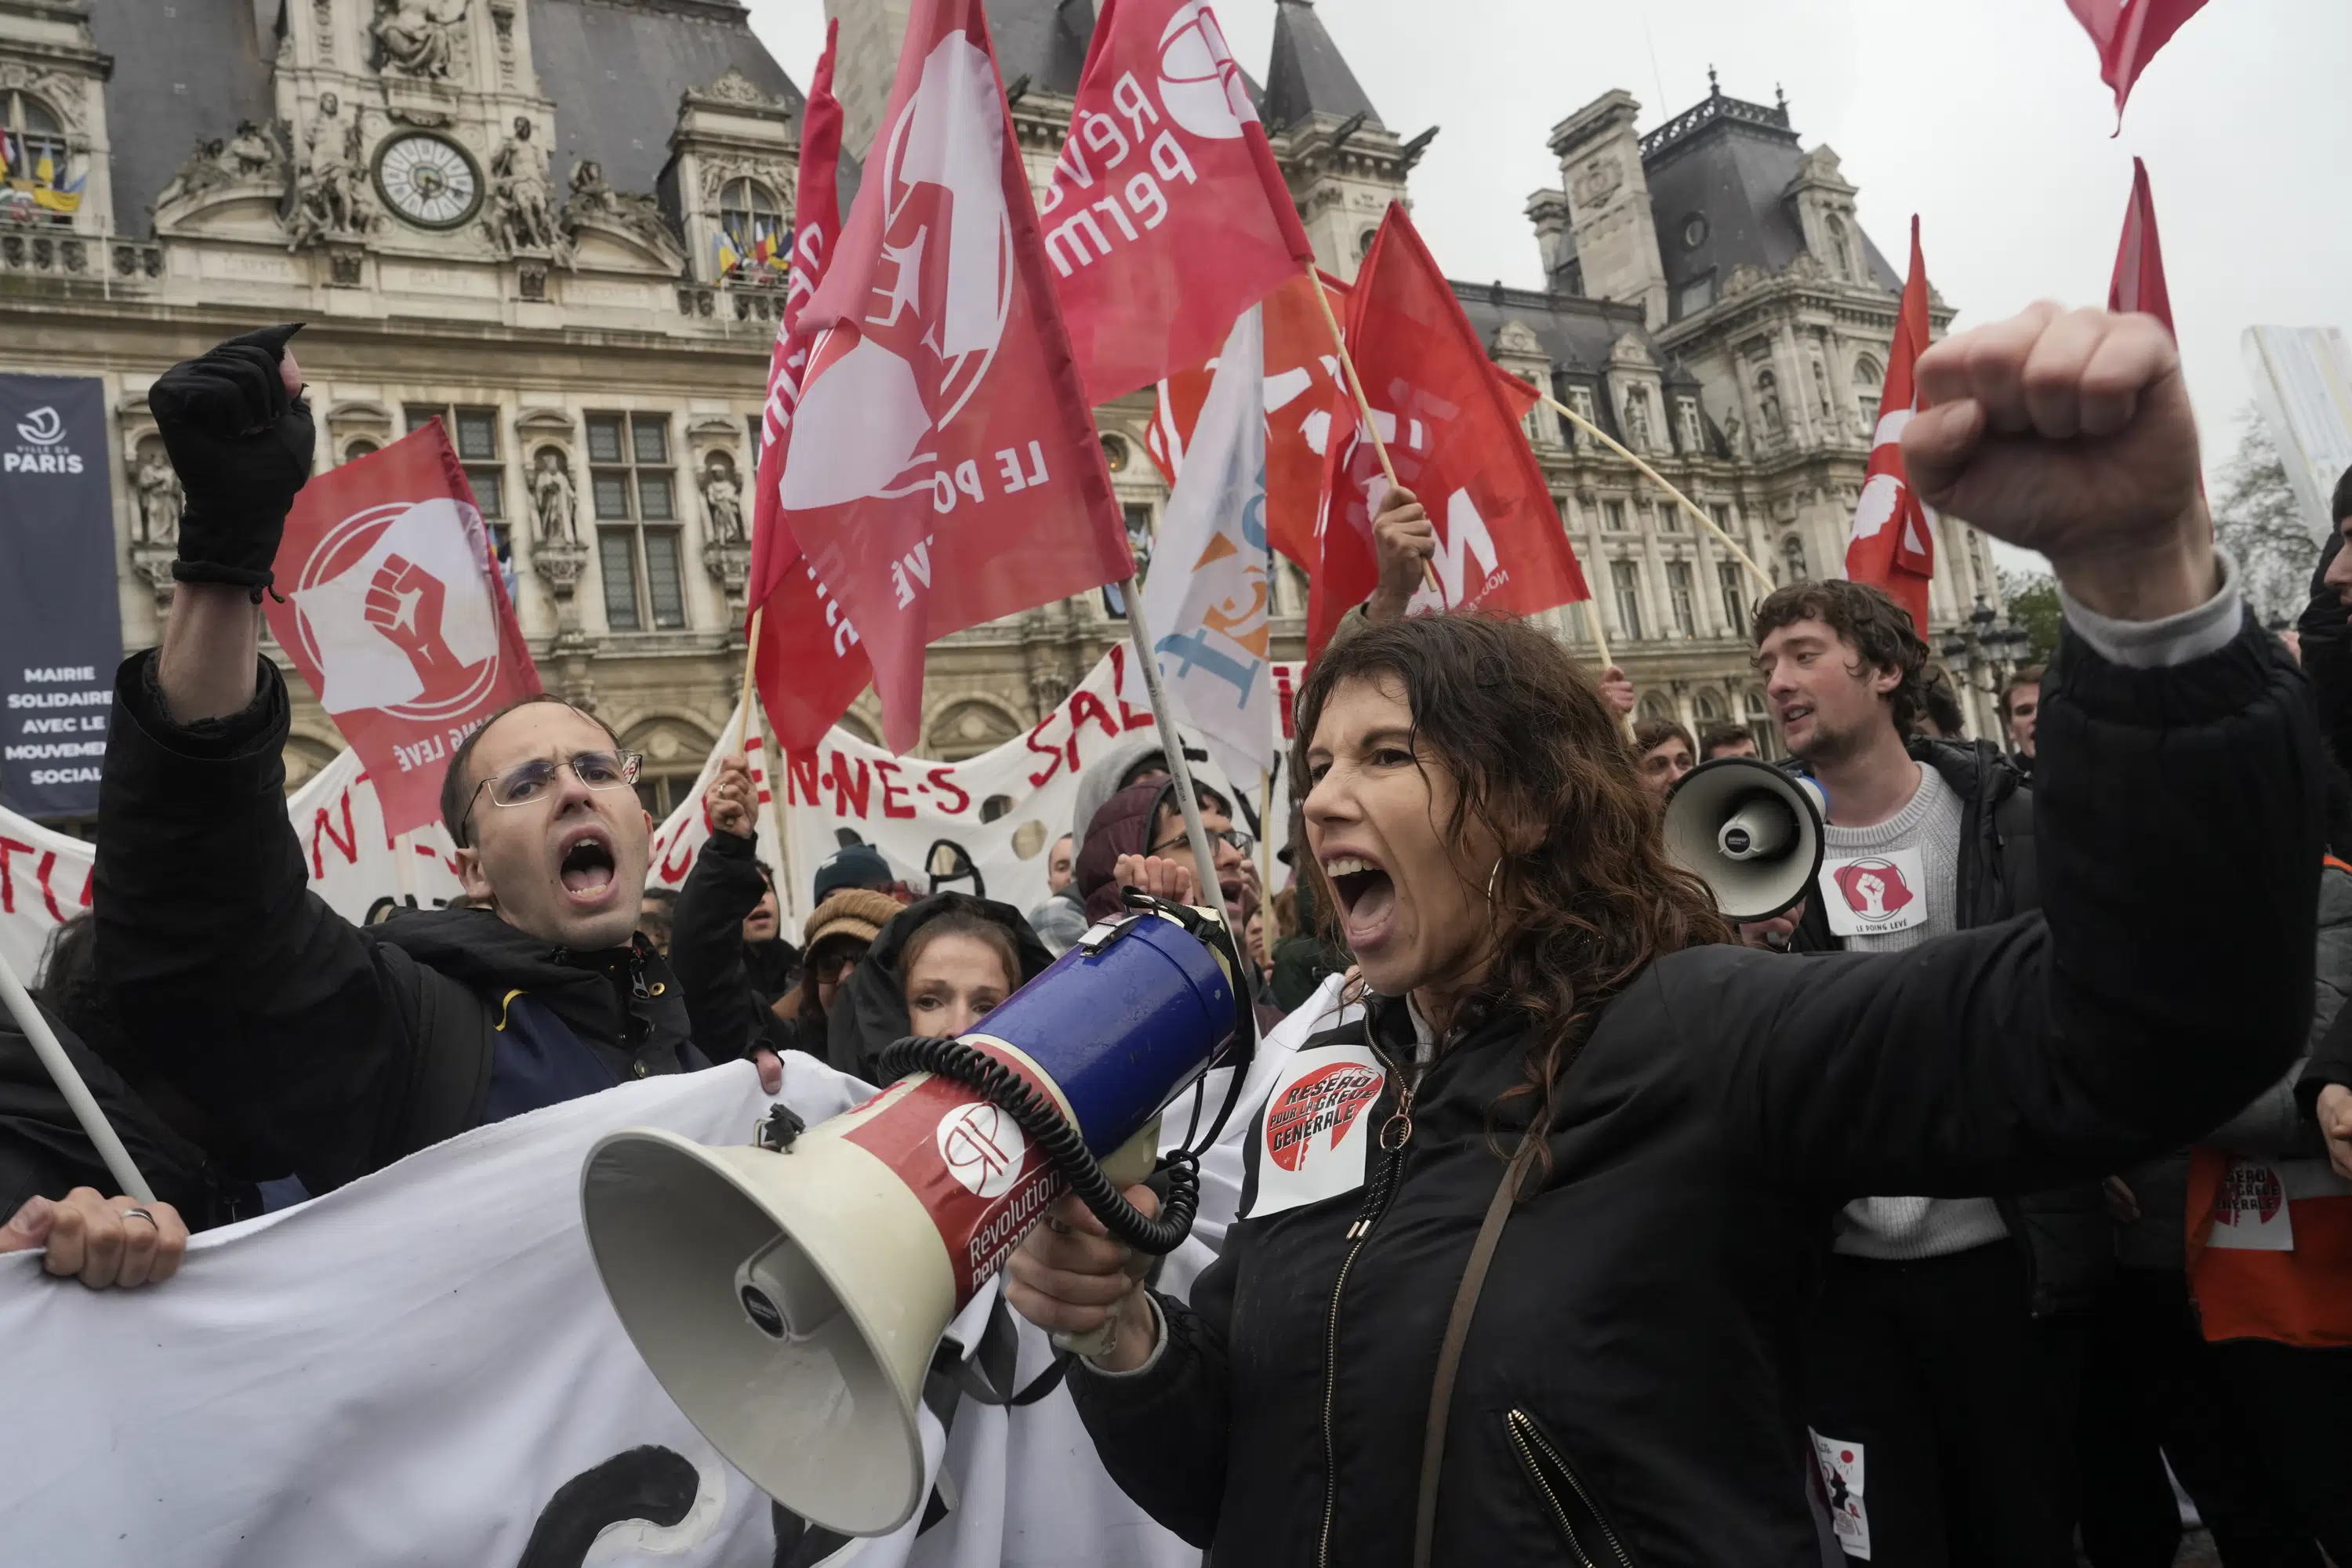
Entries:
{"x":242,"y":447}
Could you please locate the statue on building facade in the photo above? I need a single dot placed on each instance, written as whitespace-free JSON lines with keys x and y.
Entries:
{"x":415,"y":37}
{"x":593,"y":200}
{"x":331,"y":196}
{"x":1767,"y":402}
{"x":159,"y":499}
{"x":722,"y":503}
{"x":521,"y":208}
{"x":552,"y":498}
{"x":249,"y":157}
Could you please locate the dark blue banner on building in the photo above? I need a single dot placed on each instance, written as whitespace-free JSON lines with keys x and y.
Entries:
{"x":60,"y":620}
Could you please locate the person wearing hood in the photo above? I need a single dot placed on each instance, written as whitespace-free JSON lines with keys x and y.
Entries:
{"x":1060,"y":918}
{"x":337,"y":1050}
{"x":1145,"y":822}
{"x":984,"y":951}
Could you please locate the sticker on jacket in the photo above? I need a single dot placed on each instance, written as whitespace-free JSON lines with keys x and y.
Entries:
{"x":1313,"y":1133}
{"x":1841,"y":1466}
{"x":1869,"y":895}
{"x":2253,"y":1213}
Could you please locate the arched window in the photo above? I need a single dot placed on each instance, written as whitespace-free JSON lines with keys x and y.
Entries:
{"x":1841,"y":249}
{"x":361,"y":447}
{"x":1709,"y":710}
{"x":35,"y":185}
{"x":1760,"y":724}
{"x":1793,"y":555}
{"x":1655,"y":706}
{"x":1364,"y":242}
{"x":754,"y":226}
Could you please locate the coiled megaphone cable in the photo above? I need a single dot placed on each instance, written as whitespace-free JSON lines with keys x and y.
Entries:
{"x":1041,"y":1119}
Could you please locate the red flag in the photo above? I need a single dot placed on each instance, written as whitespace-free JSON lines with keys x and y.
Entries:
{"x":1166,"y":217}
{"x":2138,"y":282}
{"x":1454,"y":437}
{"x":808,"y":667}
{"x":944,"y":468}
{"x":396,"y":616}
{"x":1894,"y":544}
{"x":1307,"y":407}
{"x":1306,"y":404}
{"x":2128,"y":33}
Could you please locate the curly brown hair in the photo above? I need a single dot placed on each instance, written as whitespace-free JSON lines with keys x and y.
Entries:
{"x":1867,"y":621}
{"x":1538,"y":757}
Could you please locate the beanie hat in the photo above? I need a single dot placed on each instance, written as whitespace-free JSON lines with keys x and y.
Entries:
{"x":853,"y":911}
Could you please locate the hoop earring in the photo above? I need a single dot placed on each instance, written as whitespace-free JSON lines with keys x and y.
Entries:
{"x":1493,"y":877}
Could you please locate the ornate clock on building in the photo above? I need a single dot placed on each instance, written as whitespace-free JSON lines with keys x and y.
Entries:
{"x":429,"y":181}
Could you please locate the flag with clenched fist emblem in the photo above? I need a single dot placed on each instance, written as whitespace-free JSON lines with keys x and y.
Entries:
{"x":1894,"y":541}
{"x":943,"y":468}
{"x":1166,"y":217}
{"x":394,"y":612}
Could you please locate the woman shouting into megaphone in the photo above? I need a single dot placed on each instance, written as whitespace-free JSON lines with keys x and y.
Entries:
{"x":1524,"y":1259}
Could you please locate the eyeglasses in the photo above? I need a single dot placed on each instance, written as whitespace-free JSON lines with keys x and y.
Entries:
{"x":832,"y":966}
{"x":527,"y":782}
{"x":1232,"y":836}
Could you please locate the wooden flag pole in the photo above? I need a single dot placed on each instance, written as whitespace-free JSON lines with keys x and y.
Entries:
{"x":1597,"y":434}
{"x":1363,"y":404}
{"x":1265,"y":869}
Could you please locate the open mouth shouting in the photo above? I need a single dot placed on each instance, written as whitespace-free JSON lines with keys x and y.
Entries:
{"x":1367,"y":896}
{"x":585,"y":865}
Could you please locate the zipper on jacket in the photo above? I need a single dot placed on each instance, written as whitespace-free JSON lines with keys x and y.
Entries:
{"x":1395,"y":1133}
{"x":1545,"y":1463}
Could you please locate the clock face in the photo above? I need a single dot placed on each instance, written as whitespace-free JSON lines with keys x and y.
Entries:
{"x":429,"y":181}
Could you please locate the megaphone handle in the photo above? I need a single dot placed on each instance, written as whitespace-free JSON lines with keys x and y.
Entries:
{"x":1130,"y":1163}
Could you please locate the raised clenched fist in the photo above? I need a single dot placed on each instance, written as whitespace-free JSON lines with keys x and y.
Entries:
{"x":241,"y":439}
{"x":405,"y":602}
{"x":2069,"y":432}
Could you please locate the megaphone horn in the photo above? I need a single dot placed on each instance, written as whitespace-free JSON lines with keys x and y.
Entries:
{"x":1750,"y":832}
{"x":789,"y":1299}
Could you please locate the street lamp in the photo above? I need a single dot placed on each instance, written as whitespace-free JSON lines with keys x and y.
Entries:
{"x":1985,"y":642}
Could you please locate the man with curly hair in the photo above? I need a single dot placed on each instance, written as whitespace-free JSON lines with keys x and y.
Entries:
{"x":1943,"y":1350}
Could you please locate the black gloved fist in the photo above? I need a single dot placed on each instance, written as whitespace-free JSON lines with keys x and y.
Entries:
{"x":241,"y":444}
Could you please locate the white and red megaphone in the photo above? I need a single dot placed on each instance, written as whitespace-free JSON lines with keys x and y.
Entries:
{"x":789,"y":1299}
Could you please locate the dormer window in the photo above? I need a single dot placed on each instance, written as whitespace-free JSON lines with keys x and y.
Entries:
{"x":753,"y":238}
{"x":35,"y":187}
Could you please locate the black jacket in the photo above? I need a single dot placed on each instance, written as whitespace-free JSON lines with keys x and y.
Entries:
{"x":869,"y":1011}
{"x":2065,"y":1234}
{"x":334,"y":1048}
{"x":1629,"y":1377}
{"x":45,"y":1152}
{"x":725,"y":1008}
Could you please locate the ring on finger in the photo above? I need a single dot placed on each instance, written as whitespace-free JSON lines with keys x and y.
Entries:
{"x":134,"y":1212}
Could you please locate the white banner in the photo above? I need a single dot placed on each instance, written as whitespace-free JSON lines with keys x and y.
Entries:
{"x":45,"y":876}
{"x":998,"y":812}
{"x":423,"y":1367}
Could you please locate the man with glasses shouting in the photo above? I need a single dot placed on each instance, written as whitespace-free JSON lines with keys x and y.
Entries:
{"x":336,"y":1050}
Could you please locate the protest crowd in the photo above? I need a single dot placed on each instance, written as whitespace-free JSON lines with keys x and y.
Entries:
{"x":1988,"y":1201}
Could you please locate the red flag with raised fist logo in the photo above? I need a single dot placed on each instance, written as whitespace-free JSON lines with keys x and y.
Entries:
{"x":1894,"y":541}
{"x":808,"y":667}
{"x":395,"y":615}
{"x":2127,"y":34}
{"x":1455,"y":437}
{"x":943,"y":468}
{"x":1166,"y":217}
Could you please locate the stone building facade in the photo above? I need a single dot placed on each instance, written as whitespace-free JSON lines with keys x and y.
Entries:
{"x":538,"y":220}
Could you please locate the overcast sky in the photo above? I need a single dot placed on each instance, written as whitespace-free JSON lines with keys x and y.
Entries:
{"x":1985,"y":117}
